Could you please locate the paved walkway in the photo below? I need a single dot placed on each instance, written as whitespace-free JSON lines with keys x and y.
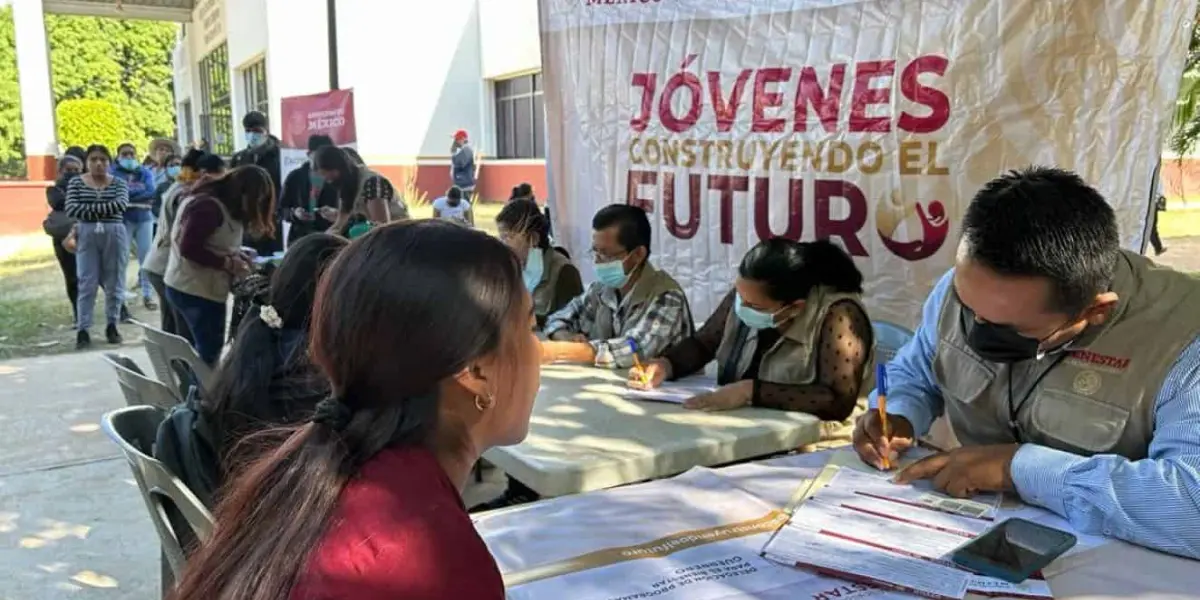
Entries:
{"x":1182,"y":253}
{"x":72,"y":521}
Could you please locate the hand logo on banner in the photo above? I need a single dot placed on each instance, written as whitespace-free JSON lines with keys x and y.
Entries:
{"x":889,"y":215}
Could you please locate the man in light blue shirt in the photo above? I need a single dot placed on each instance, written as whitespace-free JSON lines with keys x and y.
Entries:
{"x":1068,"y":369}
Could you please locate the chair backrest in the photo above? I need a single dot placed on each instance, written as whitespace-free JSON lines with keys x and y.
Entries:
{"x":889,"y":338}
{"x":138,"y":389}
{"x":179,"y":517}
{"x":175,"y":362}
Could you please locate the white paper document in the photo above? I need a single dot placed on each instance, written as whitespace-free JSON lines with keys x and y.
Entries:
{"x":676,"y":392}
{"x":694,"y":537}
{"x":864,"y":528}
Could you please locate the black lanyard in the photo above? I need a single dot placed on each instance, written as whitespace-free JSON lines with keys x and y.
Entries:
{"x":1013,"y":411}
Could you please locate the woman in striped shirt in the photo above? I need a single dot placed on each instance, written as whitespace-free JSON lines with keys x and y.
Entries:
{"x":97,"y":200}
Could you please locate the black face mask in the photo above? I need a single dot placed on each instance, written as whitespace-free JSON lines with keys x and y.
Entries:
{"x":1000,"y":343}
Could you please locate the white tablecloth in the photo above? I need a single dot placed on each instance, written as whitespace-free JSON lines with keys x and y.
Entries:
{"x":1110,"y":571}
{"x":584,"y":435}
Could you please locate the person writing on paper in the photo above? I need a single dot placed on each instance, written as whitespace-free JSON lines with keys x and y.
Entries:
{"x":1069,"y":369}
{"x":792,"y":335}
{"x":548,"y":274}
{"x":364,"y":501}
{"x":631,"y":302}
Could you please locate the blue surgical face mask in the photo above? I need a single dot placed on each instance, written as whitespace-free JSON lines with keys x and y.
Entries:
{"x":752,"y":318}
{"x":255,"y":138}
{"x":173,"y":172}
{"x":612,"y":274}
{"x":129,"y":164}
{"x":534,"y":267}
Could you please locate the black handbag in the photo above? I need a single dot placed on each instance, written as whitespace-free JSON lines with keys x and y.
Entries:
{"x":57,"y":224}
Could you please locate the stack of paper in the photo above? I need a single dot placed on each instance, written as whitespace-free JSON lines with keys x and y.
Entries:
{"x":676,"y":392}
{"x":863,"y":528}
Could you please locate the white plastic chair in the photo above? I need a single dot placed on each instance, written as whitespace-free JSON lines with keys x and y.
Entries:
{"x":172,"y":357}
{"x":138,"y":389}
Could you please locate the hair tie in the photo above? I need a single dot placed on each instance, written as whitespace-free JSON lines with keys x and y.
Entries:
{"x":270,"y":316}
{"x":332,"y":412}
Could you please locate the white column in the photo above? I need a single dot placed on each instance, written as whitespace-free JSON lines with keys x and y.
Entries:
{"x":37,"y":97}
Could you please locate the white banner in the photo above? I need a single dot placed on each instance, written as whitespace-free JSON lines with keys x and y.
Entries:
{"x":869,"y":122}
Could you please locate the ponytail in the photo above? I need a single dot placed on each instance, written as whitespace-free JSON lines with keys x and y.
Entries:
{"x":790,"y":270}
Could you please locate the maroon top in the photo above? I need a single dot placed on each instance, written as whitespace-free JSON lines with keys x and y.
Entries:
{"x":400,"y":530}
{"x":199,"y":220}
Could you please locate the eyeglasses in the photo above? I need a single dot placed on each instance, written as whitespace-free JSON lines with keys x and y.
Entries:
{"x":599,"y":258}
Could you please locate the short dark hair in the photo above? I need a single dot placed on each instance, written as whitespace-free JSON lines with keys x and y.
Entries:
{"x":254,"y":119}
{"x":522,"y":190}
{"x":124,"y":146}
{"x":454,"y":193}
{"x":210,"y":163}
{"x":318,"y":141}
{"x":192,"y":158}
{"x":77,"y":152}
{"x":633,"y":226}
{"x":525,"y":216}
{"x":1045,"y":222}
{"x":790,"y":270}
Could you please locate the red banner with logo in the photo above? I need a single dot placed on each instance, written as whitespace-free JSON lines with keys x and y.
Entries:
{"x":329,"y":113}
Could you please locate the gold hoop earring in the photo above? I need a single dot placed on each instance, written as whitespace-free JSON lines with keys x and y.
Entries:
{"x":482,"y":404}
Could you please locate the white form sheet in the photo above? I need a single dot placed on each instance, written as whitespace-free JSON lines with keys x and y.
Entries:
{"x":676,"y":392}
{"x":900,"y":535}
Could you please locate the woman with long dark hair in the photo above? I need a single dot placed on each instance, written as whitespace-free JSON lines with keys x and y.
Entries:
{"x":97,"y":200}
{"x":195,"y":168}
{"x":548,"y":273}
{"x":365,"y":197}
{"x":267,"y":377}
{"x":793,"y":334}
{"x":424,"y":332}
{"x":206,"y":251}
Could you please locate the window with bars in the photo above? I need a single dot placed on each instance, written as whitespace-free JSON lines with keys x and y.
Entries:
{"x":254,"y":82}
{"x":216,"y":118}
{"x":520,"y":117}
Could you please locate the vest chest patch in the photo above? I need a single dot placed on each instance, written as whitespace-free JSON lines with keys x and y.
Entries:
{"x":1099,"y":362}
{"x":1086,"y":383}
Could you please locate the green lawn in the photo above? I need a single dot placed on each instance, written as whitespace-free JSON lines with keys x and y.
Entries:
{"x":1179,"y":223}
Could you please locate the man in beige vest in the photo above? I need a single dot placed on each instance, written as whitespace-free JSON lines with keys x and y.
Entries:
{"x":632,"y":307}
{"x":1069,"y":369}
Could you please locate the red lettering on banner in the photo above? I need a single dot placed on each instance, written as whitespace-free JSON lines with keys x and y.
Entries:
{"x":726,"y":111}
{"x":865,"y":96}
{"x":633,"y":192}
{"x":765,"y":98}
{"x":847,"y":229}
{"x":762,"y":209}
{"x":937,"y":100}
{"x":682,"y":101}
{"x":683,"y":231}
{"x":727,"y":185}
{"x":826,"y":103}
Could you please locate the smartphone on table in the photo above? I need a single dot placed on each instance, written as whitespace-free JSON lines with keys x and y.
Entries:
{"x":1013,"y":550}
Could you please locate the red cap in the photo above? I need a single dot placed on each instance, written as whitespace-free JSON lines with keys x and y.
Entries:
{"x":461,"y":134}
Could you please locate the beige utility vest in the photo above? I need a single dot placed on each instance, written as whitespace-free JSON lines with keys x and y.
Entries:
{"x":652,"y":284}
{"x":543,"y":294}
{"x":1095,"y":397}
{"x":793,"y":359}
{"x":191,"y":278}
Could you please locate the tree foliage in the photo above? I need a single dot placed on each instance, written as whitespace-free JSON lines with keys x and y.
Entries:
{"x":124,"y":64}
{"x":12,"y":135}
{"x":82,"y":122}
{"x":1185,"y":129}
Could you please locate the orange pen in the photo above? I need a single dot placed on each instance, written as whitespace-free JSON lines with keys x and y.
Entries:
{"x":881,"y":405}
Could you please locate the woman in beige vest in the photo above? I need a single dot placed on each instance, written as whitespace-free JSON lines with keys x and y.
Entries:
{"x":791,"y":335}
{"x":206,"y":252}
{"x":365,"y":198}
{"x":549,"y":274}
